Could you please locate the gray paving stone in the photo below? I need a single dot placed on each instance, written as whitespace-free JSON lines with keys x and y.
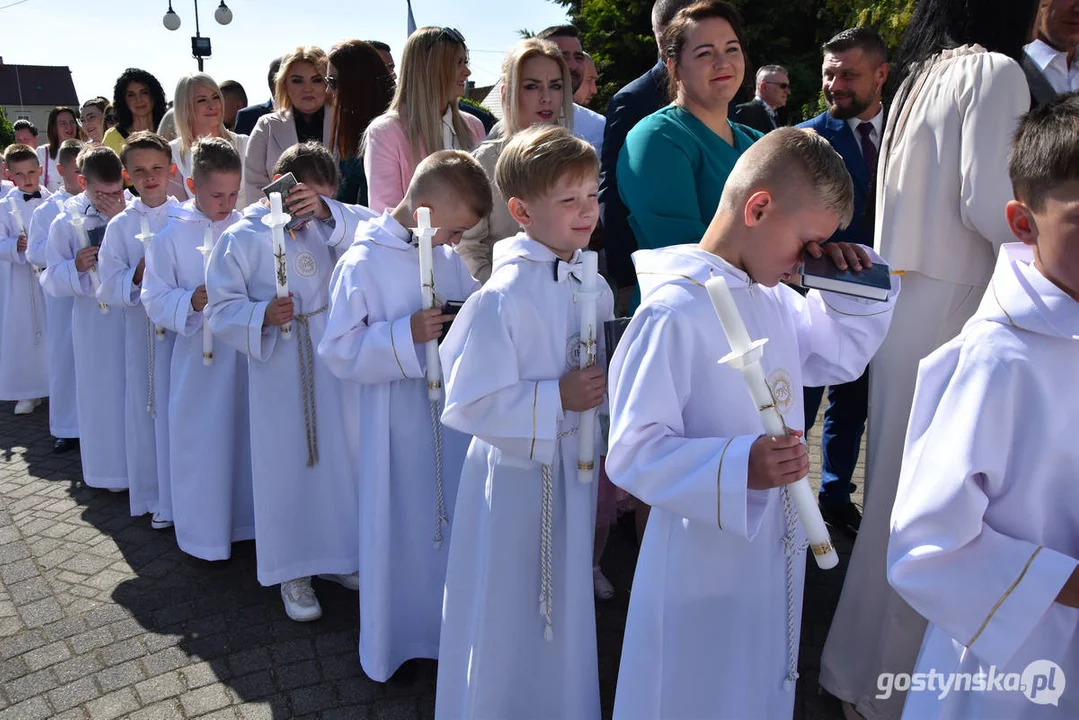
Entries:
{"x":313,"y":699}
{"x":199,"y":674}
{"x":256,"y":686}
{"x":74,"y":693}
{"x":15,"y":646}
{"x":45,"y":656}
{"x":161,"y":687}
{"x":114,"y":705}
{"x":29,"y":685}
{"x":118,"y":676}
{"x":76,"y":668}
{"x":204,"y":700}
{"x":161,"y":661}
{"x":119,"y":652}
{"x":298,"y":675}
{"x":33,"y":709}
{"x":248,"y":661}
{"x":167,"y":710}
{"x":91,"y":640}
{"x":41,"y":612}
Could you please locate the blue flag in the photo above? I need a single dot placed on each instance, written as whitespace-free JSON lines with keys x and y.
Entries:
{"x":411,"y":19}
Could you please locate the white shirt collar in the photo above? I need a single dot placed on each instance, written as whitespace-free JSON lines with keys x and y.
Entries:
{"x":877,"y":121}
{"x":1054,"y":66}
{"x":771,"y":110}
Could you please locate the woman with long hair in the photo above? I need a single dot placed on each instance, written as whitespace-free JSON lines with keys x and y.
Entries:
{"x":362,"y":88}
{"x":92,"y":118}
{"x":199,"y":111}
{"x":536,"y":90}
{"x":304,"y":113}
{"x":423,"y":117}
{"x":942,"y":184}
{"x":139,"y":102}
{"x":62,"y":125}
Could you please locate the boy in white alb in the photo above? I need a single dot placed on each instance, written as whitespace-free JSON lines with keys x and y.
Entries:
{"x":519,"y":624}
{"x":97,"y":330}
{"x":209,"y":439}
{"x":302,"y":445}
{"x":63,"y":411}
{"x":24,"y":360}
{"x":984,"y":539}
{"x":375,"y":336}
{"x":148,"y":165}
{"x":714,"y":619}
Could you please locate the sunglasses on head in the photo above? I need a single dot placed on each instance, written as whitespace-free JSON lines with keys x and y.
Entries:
{"x":452,"y":34}
{"x":331,"y":82}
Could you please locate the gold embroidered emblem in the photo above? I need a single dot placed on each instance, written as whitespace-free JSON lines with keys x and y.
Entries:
{"x":782,"y":389}
{"x":305,"y":264}
{"x":573,"y":352}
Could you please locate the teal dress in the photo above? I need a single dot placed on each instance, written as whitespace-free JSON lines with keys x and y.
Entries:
{"x":671,"y":173}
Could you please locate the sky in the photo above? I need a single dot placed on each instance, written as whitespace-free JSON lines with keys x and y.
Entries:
{"x":99,"y":46}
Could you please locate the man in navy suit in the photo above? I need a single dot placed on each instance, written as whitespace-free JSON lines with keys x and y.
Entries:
{"x":629,"y":106}
{"x":853,"y":74}
{"x":249,"y":116}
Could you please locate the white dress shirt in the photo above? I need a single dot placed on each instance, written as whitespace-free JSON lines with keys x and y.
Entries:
{"x":877,"y":121}
{"x":1054,"y":66}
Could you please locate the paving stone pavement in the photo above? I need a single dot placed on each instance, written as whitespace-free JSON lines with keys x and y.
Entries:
{"x":102,"y":617}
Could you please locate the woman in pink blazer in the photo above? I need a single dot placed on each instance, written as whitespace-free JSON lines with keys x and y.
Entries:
{"x":303,"y":113}
{"x":423,"y":117}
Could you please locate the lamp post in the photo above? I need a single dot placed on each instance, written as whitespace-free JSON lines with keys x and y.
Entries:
{"x":200,"y":46}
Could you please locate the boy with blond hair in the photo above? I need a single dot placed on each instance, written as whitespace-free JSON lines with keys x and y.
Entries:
{"x":717,"y":593}
{"x":375,"y":336}
{"x":518,"y":630}
{"x":983,"y":541}
{"x":24,"y":360}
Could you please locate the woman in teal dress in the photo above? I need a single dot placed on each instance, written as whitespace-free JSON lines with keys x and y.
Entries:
{"x":675,"y":162}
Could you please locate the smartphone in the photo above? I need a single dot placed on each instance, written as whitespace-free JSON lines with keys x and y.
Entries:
{"x":284,"y":185}
{"x":451,"y":308}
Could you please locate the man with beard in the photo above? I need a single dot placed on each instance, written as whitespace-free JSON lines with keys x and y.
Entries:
{"x":587,"y":125}
{"x":853,"y":75}
{"x":1049,"y":61}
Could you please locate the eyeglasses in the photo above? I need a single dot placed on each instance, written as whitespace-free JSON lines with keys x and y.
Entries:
{"x":331,"y":82}
{"x":784,"y":86}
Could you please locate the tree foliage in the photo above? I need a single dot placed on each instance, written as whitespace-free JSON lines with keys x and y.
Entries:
{"x":7,"y":132}
{"x":618,"y":35}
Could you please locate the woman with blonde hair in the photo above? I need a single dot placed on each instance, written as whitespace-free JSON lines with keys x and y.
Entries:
{"x":302,"y":115}
{"x":536,"y":90}
{"x":423,"y":117}
{"x":198,"y":109}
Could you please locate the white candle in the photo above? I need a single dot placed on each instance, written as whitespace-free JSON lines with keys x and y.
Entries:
{"x":145,"y":236}
{"x":79,"y":223}
{"x":586,"y":430}
{"x":745,"y":355}
{"x":426,"y":233}
{"x":276,"y":221}
{"x":207,"y":334}
{"x":17,"y":215}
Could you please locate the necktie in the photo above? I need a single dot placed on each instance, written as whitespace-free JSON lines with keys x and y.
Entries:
{"x":27,"y":197}
{"x":869,"y":150}
{"x":563,"y":270}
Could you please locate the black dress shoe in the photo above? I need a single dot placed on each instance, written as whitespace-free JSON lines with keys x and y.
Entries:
{"x":64,"y":445}
{"x":844,"y":516}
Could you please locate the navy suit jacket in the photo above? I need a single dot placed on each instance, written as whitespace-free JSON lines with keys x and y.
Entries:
{"x":247,"y":117}
{"x":841,"y":137}
{"x":753,"y":114}
{"x":629,"y":106}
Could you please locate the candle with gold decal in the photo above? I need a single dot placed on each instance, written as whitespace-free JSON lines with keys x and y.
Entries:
{"x":425,"y":234}
{"x":207,"y":336}
{"x":79,"y":223}
{"x":586,"y":431}
{"x":145,"y":236}
{"x":276,"y":221}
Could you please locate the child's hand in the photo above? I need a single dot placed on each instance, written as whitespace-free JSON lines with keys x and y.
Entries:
{"x":139,"y":269}
{"x":21,"y":244}
{"x":86,"y":258}
{"x":303,"y":199}
{"x":198,"y":298}
{"x":110,"y":205}
{"x":583,"y":389}
{"x":427,"y":324}
{"x":777,"y":461}
{"x":279,"y":311}
{"x":842,"y":254}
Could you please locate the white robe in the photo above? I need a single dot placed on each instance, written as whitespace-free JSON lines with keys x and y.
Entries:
{"x":985,"y":529}
{"x":119,"y":256}
{"x":178,"y":183}
{"x":941,"y":190}
{"x":715,"y":613}
{"x":98,"y":343}
{"x":24,"y":357}
{"x":306,"y":516}
{"x":375,"y":291}
{"x":209,"y":440}
{"x":63,"y":409}
{"x":503,"y":359}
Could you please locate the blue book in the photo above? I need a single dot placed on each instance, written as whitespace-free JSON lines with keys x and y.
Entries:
{"x":872,"y":283}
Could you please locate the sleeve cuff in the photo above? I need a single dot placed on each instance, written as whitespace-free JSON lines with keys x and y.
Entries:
{"x":546,"y":415}
{"x":732,"y":490}
{"x":260,"y":340}
{"x":405,"y":352}
{"x":1021,"y":607}
{"x":132,"y":292}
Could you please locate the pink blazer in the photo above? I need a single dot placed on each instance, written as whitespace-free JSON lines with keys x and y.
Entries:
{"x":386,"y":160}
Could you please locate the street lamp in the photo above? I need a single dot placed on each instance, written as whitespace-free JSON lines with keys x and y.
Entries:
{"x":200,"y":46}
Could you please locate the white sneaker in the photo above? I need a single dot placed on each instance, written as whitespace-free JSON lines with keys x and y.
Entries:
{"x":159,"y":523}
{"x":301,"y":604}
{"x":604,"y":589}
{"x":25,"y":407}
{"x":351,"y":582}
